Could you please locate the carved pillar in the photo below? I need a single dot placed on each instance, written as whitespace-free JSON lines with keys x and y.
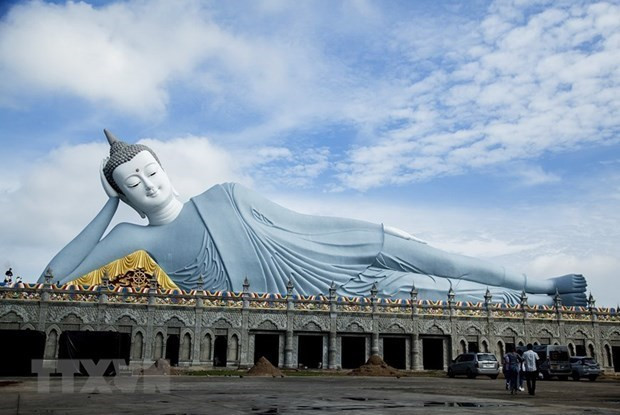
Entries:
{"x":102,"y":293}
{"x":524,"y":317}
{"x":451,"y":302}
{"x":557,"y":303}
{"x":288,"y":339}
{"x":199,"y":293}
{"x":45,"y":297}
{"x":453,"y":329}
{"x":592,"y":308}
{"x":596,"y":331}
{"x":333,"y":327}
{"x":415,"y":336}
{"x":331,"y":350}
{"x":244,"y":341}
{"x":490,"y":326}
{"x":150,"y":318}
{"x":374,"y":343}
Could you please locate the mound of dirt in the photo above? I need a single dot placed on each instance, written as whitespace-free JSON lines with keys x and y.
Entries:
{"x":160,"y":367}
{"x":263,"y":367}
{"x":375,"y":366}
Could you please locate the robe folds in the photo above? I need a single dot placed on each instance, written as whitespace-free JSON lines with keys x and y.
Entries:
{"x":270,"y":245}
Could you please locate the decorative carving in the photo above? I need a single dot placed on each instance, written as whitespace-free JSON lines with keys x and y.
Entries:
{"x":311,"y":326}
{"x":355,"y":326}
{"x":137,"y":278}
{"x":473,"y":330}
{"x":13,"y":316}
{"x":507,"y":331}
{"x":435,"y":328}
{"x":311,"y":322}
{"x":174,"y":321}
{"x":125,"y":315}
{"x":72,"y":318}
{"x":182,"y":317}
{"x":83,"y":315}
{"x":267,"y":325}
{"x":279,"y":320}
{"x":221,"y":319}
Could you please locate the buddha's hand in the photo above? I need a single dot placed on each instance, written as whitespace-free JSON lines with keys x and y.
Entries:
{"x":109,"y":190}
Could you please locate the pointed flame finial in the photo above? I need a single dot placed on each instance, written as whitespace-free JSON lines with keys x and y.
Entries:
{"x":111,"y":138}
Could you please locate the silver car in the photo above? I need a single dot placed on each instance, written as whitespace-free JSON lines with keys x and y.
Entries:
{"x":474,"y":364}
{"x":584,"y":367}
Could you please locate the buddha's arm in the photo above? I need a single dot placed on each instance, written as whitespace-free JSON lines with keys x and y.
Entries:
{"x":124,"y":239}
{"x":70,"y":257}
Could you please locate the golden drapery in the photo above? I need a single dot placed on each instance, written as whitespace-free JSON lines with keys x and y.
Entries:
{"x":139,"y":261}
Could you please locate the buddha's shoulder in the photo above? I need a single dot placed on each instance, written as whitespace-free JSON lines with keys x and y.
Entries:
{"x":229,"y":189}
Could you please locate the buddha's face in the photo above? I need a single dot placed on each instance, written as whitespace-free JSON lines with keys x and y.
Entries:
{"x":144,"y":183}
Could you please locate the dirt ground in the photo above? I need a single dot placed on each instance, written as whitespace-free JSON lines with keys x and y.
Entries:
{"x":303,"y":395}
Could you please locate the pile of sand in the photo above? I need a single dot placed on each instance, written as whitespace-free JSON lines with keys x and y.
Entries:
{"x":263,"y":367}
{"x":375,"y":366}
{"x":160,"y":367}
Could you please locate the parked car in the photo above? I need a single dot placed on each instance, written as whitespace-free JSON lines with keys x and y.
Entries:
{"x":584,"y":367}
{"x":553,"y":361}
{"x":474,"y":364}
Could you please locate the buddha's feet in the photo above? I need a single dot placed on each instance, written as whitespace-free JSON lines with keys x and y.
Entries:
{"x":571,"y":283}
{"x":574,"y":299}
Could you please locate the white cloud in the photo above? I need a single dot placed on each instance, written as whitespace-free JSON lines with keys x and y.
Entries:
{"x":454,"y":97}
{"x":277,"y":166}
{"x":111,"y":54}
{"x":529,"y":175}
{"x":128,"y":55}
{"x":529,"y":84}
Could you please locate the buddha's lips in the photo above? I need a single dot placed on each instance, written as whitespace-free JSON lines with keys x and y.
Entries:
{"x":153,"y":194}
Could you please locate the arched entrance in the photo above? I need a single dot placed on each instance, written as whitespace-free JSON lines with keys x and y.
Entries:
{"x":220,"y":351}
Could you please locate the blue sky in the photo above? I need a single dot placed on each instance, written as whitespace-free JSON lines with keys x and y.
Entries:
{"x":486,"y":128}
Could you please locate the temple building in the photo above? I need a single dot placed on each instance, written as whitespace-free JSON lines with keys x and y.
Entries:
{"x":134,"y":309}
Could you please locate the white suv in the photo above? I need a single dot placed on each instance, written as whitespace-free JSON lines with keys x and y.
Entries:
{"x":474,"y":364}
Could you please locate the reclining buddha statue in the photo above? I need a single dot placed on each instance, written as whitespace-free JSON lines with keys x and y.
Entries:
{"x":229,"y":233}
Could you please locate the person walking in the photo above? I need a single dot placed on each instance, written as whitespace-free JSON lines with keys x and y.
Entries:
{"x":506,"y":370}
{"x":513,"y":364}
{"x":521,"y":370}
{"x":530,"y":358}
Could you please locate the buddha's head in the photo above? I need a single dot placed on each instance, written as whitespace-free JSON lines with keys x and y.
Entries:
{"x":135,"y":173}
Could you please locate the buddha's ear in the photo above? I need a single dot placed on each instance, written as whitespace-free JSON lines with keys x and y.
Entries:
{"x":128,"y":203}
{"x":174,"y":191}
